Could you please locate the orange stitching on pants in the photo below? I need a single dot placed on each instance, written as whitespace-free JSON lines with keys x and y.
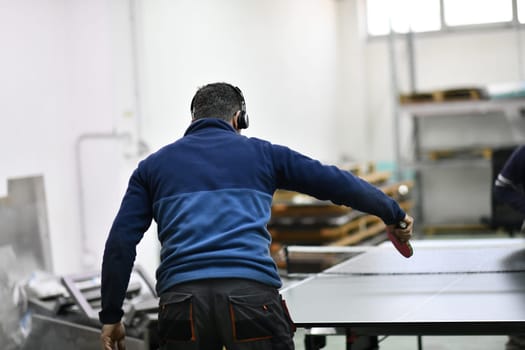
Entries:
{"x":193,"y":337}
{"x":234,"y":330}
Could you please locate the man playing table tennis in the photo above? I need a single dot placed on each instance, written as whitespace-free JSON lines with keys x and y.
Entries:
{"x":210,"y":194}
{"x":509,"y":188}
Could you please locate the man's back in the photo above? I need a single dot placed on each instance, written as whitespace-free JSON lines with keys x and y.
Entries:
{"x":211,"y":197}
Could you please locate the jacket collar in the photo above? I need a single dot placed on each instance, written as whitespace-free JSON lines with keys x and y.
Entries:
{"x":205,"y":123}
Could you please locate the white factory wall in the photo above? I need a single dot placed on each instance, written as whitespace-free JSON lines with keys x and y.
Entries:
{"x":311,"y":81}
{"x":282,"y":54}
{"x":56,"y":84}
{"x":68,"y":98}
{"x":66,"y":93}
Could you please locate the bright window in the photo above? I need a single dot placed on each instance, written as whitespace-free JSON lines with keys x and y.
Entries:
{"x":403,"y":16}
{"x":521,"y":11}
{"x":464,"y":12}
{"x":427,"y":15}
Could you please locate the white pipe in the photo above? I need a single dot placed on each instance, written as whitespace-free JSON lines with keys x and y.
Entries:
{"x":135,"y":62}
{"x":87,"y":254}
{"x":142,"y":147}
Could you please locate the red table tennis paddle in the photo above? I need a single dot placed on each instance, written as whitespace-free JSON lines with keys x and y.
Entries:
{"x":404,"y":248}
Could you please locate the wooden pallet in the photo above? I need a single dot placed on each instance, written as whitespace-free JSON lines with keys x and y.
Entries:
{"x":460,"y":153}
{"x":351,"y":233}
{"x":286,"y":205}
{"x":300,"y":219}
{"x":355,"y":230}
{"x":447,"y":95}
{"x":367,"y":227}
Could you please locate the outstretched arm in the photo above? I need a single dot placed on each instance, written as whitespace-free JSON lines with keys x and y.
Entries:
{"x":300,"y":173}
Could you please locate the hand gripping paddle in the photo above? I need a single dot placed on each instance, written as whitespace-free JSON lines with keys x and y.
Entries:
{"x":404,"y":248}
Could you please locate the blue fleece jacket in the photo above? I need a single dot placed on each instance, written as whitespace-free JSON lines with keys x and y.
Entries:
{"x":210,"y":194}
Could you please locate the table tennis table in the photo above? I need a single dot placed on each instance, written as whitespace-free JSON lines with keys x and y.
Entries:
{"x":448,"y":287}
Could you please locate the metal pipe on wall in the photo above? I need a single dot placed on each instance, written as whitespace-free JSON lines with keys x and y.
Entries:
{"x":395,"y":102}
{"x":87,"y":254}
{"x":519,"y":45}
{"x":135,"y":136}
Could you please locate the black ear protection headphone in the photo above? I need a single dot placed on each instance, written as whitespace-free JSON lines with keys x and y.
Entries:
{"x":242,"y":121}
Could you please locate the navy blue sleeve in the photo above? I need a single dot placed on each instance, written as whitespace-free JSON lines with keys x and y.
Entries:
{"x":132,"y":220}
{"x":297,"y":172}
{"x":509,"y":184}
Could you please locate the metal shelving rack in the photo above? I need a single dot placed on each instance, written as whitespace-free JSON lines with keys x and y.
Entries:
{"x":492,"y":123}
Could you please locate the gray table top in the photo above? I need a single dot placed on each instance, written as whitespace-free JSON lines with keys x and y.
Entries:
{"x":446,"y":287}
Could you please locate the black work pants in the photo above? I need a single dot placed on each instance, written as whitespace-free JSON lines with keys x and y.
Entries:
{"x":238,"y":314}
